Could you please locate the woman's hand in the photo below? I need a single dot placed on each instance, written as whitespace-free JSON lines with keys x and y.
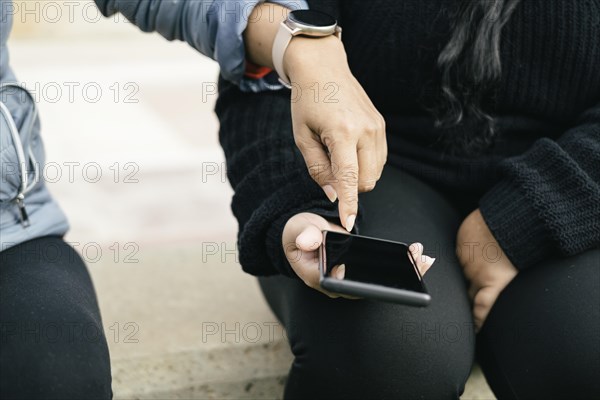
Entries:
{"x":337,"y":128}
{"x":302,"y":236}
{"x":484,"y":263}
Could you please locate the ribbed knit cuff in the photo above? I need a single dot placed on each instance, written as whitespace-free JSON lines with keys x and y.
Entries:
{"x":515,"y":224}
{"x":274,"y":245}
{"x":275,"y":233}
{"x":259,"y":242}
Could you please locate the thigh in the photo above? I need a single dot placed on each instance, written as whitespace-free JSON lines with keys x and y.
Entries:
{"x":53,"y":345}
{"x":542,"y":337}
{"x":360,"y":348}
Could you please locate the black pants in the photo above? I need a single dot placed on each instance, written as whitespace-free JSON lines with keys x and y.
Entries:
{"x":541,"y":339}
{"x":52,"y":345}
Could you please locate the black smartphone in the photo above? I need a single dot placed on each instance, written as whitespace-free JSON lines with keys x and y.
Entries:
{"x":375,"y":269}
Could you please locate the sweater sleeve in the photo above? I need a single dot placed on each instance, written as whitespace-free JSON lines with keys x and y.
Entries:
{"x":548,"y":200}
{"x":213,"y":27}
{"x":268,"y":174}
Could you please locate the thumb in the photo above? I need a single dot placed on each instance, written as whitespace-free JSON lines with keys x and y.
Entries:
{"x":310,"y":238}
{"x":298,"y":224}
{"x":423,"y":262}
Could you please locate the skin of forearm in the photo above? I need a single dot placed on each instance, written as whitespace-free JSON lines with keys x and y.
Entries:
{"x":263,"y":24}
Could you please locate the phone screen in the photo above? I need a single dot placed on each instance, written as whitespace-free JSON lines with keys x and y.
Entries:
{"x":372,"y":261}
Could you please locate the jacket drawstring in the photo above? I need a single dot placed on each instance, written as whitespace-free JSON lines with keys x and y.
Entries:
{"x":25,"y":186}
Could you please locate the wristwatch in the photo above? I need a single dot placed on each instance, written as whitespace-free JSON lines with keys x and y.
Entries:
{"x":301,"y":23}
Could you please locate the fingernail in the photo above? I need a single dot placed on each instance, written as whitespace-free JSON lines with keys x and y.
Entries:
{"x":330,"y":193}
{"x":303,"y":242}
{"x":415,"y":247}
{"x":429,"y":260}
{"x":350,"y":222}
{"x":341,"y":271}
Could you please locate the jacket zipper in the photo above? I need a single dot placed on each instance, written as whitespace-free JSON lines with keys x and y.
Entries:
{"x":20,"y":200}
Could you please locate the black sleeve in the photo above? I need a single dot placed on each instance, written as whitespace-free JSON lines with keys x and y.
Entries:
{"x":548,"y":202}
{"x":331,"y":7}
{"x":268,"y":174}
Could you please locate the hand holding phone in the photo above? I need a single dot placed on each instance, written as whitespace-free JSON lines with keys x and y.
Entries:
{"x":301,"y":241}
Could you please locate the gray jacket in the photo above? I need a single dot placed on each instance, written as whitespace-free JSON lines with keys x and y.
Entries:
{"x":27,"y":210}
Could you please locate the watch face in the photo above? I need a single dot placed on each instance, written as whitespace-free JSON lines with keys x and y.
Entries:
{"x":312,"y":18}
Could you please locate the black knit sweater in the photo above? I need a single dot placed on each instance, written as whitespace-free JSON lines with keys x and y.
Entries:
{"x":538,"y":186}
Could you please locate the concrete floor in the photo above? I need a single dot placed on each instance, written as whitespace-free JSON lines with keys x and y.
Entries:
{"x":155,"y":229}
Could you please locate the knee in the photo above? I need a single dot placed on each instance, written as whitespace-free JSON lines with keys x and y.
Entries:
{"x":379,"y":362}
{"x":55,"y":360}
{"x":54,"y":348}
{"x":540,"y":339}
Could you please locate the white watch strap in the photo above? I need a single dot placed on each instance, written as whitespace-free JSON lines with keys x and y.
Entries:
{"x":282,"y":40}
{"x":280,"y":45}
